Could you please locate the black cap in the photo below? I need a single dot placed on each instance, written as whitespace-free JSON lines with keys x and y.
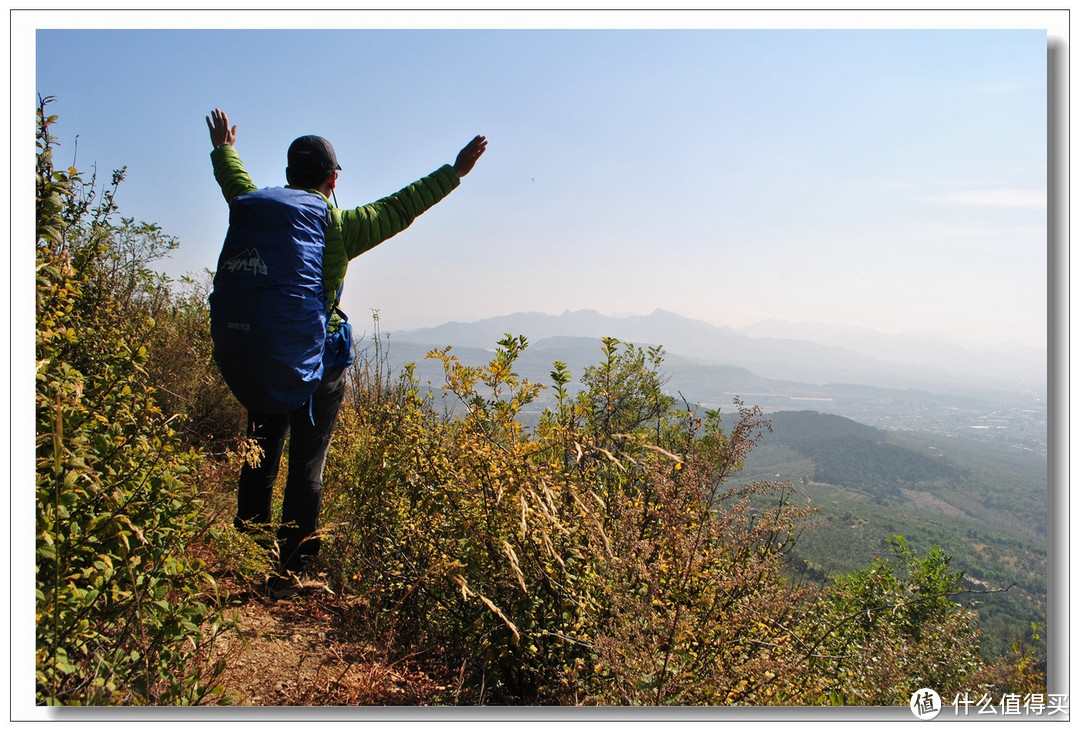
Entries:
{"x":312,"y":153}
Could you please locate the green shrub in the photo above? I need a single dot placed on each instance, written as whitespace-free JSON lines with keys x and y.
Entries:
{"x":124,"y":611}
{"x":598,"y":558}
{"x":884,"y":631}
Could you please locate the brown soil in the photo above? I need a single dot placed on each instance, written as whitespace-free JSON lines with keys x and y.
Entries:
{"x":307,"y":651}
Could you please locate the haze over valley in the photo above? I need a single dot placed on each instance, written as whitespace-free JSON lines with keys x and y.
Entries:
{"x":994,"y":394}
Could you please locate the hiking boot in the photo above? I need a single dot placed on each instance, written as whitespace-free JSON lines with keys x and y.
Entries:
{"x":293,"y":584}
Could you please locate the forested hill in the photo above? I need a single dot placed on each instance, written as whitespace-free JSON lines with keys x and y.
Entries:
{"x":985,"y":505}
{"x":857,"y":456}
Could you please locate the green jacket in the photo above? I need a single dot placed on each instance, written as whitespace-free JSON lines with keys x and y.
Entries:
{"x":351,"y":231}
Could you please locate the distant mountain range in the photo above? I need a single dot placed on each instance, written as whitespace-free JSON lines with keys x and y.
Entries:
{"x":808,"y":354}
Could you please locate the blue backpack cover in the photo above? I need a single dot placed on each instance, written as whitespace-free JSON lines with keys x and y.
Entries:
{"x":268,"y":308}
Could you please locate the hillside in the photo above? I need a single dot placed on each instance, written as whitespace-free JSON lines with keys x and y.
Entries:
{"x":846,"y":453}
{"x":985,"y":506}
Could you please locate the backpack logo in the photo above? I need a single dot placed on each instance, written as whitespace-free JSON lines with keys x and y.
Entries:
{"x":247,"y":261}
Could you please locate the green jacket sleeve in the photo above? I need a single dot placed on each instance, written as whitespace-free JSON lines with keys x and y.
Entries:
{"x":230,"y":173}
{"x":365,"y":227}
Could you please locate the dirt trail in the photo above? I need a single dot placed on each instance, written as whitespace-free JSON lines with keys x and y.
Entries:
{"x":299,"y":652}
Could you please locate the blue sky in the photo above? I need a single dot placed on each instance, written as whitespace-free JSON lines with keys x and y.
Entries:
{"x":884,"y":178}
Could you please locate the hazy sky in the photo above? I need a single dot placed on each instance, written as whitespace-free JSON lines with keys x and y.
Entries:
{"x":885,"y":178}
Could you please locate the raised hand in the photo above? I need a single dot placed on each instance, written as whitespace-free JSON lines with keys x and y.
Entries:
{"x":469,"y":155}
{"x":220,"y":134}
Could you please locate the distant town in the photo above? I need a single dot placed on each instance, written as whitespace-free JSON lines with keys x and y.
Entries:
{"x":1018,"y":426}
